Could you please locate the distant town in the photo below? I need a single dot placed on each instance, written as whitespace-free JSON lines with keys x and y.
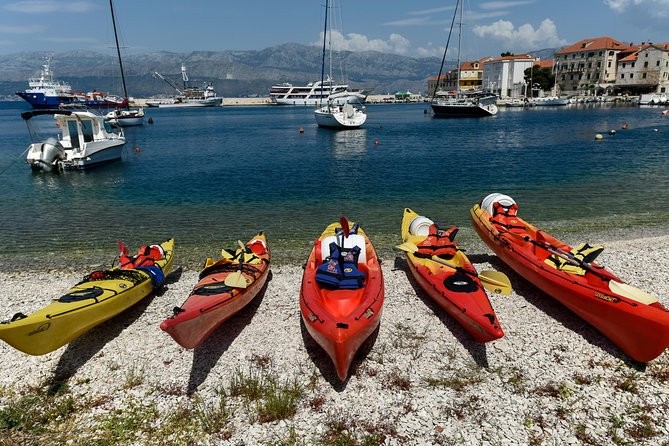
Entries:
{"x":600,"y":66}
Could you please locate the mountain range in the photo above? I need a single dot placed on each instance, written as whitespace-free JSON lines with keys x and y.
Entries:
{"x":233,"y":73}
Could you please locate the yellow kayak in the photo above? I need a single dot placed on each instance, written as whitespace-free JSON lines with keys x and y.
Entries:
{"x":98,"y":297}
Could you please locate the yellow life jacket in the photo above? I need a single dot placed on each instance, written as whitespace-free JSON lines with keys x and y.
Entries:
{"x":583,"y":253}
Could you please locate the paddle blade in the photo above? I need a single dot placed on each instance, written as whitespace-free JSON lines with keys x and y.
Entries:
{"x":496,"y":282}
{"x":631,"y":292}
{"x":344,"y":226}
{"x":122,"y":248}
{"x":407,"y":247}
{"x":236,"y":280}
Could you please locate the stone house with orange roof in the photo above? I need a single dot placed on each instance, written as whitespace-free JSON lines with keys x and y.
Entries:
{"x":590,"y":65}
{"x":471,"y":78}
{"x":645,"y":70}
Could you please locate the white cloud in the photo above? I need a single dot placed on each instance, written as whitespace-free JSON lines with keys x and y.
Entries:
{"x":86,"y":40}
{"x":649,"y":8}
{"x":396,"y":43}
{"x":432,"y":11}
{"x":504,"y":5}
{"x":49,"y":6}
{"x":30,"y":29}
{"x":525,"y":37}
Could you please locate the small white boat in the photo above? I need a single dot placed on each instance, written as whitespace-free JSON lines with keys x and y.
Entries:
{"x":332,"y":114}
{"x":550,"y":101}
{"x":86,"y":140}
{"x":126,"y":118}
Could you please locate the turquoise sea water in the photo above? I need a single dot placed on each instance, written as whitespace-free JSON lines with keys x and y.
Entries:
{"x":211,"y":176}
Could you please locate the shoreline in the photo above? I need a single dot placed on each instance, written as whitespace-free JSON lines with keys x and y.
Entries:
{"x":552,"y":379}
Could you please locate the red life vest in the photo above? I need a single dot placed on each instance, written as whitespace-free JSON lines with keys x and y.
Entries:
{"x":439,"y":243}
{"x":506,"y":217}
{"x":146,"y":256}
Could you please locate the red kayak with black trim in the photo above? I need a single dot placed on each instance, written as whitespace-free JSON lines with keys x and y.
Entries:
{"x":631,"y":318}
{"x":461,"y":295}
{"x":224,"y":288}
{"x":342,"y":292}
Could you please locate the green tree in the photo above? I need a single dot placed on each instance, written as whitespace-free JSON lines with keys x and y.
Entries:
{"x":507,"y":53}
{"x":542,"y":76}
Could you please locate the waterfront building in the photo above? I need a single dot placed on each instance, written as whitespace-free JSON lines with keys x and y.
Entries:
{"x":590,"y":65}
{"x":471,"y":78}
{"x":645,"y":70}
{"x":505,"y":76}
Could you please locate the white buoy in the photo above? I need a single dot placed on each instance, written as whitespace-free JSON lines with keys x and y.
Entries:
{"x":599,"y":137}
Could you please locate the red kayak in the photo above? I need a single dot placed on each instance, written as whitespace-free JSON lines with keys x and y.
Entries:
{"x":341,"y":297}
{"x":225,"y":287}
{"x":456,"y":288}
{"x":633,"y":319}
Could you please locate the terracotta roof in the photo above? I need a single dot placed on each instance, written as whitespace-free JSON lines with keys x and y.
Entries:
{"x":597,"y":43}
{"x":470,"y":66}
{"x":631,"y":58}
{"x":544,"y":63}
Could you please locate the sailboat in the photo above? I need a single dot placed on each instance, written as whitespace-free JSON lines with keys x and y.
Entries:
{"x":459,"y":104}
{"x":127,"y":117}
{"x":333,"y":114}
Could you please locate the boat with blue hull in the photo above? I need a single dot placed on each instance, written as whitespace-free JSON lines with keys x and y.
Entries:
{"x":44,"y":92}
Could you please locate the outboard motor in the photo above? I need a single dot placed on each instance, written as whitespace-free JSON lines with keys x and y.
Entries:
{"x":47,"y":154}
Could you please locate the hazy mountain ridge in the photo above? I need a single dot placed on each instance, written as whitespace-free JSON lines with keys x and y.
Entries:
{"x":233,"y":72}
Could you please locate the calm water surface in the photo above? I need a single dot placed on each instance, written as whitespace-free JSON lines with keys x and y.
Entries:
{"x":211,"y":176}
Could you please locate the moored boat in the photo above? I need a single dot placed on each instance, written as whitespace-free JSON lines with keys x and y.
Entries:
{"x":97,"y":298}
{"x":44,"y":92}
{"x":224,"y":287}
{"x":188,"y":96}
{"x":312,"y":93}
{"x":631,"y":318}
{"x":86,"y":140}
{"x":342,"y":293}
{"x":448,"y":277}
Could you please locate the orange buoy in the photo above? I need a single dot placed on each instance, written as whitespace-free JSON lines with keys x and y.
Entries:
{"x":137,"y":150}
{"x":625,"y":126}
{"x":301,"y":130}
{"x":376,"y":141}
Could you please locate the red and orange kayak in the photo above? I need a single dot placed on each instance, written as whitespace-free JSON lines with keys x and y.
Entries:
{"x":341,"y":296}
{"x":634,"y":320}
{"x":225,"y":287}
{"x":461,"y":295}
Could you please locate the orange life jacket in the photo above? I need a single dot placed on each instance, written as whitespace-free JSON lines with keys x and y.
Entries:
{"x":506,"y":217}
{"x":439,"y":243}
{"x":146,"y":256}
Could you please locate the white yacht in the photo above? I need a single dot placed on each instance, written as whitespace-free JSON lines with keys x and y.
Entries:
{"x":86,"y":140}
{"x":311,"y":94}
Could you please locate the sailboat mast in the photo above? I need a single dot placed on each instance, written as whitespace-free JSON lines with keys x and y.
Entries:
{"x":325,"y":33}
{"x":118,"y":49}
{"x":459,"y":42}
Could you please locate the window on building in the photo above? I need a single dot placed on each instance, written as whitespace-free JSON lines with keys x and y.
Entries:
{"x":631,"y":75}
{"x":657,"y":64}
{"x":663,"y":89}
{"x":645,"y":64}
{"x":600,"y":54}
{"x":599,"y":65}
{"x":624,"y":64}
{"x":609,"y":64}
{"x":589,"y":64}
{"x":622,"y":75}
{"x":643,"y":75}
{"x":571,"y":78}
{"x":591,"y":54}
{"x":573,"y":56}
{"x":610,"y":53}
{"x":563,"y":76}
{"x":633,"y":64}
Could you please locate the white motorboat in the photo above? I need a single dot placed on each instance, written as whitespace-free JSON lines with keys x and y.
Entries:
{"x":458,"y":104}
{"x":312,"y":93}
{"x":124,"y":117}
{"x":188,"y":96}
{"x":331,"y":114}
{"x":550,"y":101}
{"x":86,"y":140}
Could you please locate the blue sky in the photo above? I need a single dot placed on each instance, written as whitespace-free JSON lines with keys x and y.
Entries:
{"x":413,"y":28}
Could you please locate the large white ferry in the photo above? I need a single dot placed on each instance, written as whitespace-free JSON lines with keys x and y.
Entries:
{"x":312,"y":94}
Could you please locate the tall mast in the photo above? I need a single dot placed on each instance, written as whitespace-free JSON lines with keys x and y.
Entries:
{"x":325,"y":33}
{"x":459,"y":40}
{"x":118,"y":49}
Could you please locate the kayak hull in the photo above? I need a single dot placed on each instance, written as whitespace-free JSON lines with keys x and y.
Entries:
{"x":59,"y":323}
{"x":472,"y":308}
{"x":341,"y":320}
{"x":638,"y":329}
{"x":204,"y":311}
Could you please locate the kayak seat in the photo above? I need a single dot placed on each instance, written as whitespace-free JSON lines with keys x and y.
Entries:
{"x":349,"y":242}
{"x":583,"y":253}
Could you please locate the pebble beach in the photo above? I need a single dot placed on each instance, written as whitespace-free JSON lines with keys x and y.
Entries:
{"x":419,"y":380}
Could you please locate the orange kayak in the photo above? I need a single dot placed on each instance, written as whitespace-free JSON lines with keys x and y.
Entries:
{"x":461,"y":295}
{"x":342,"y":293}
{"x":225,"y":287}
{"x":634,"y":320}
